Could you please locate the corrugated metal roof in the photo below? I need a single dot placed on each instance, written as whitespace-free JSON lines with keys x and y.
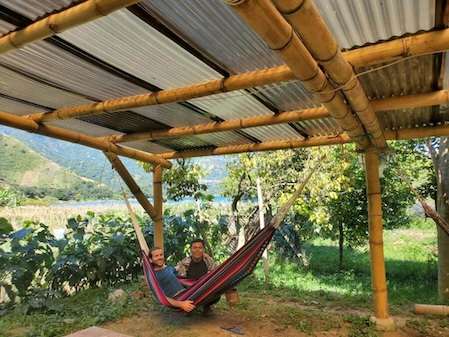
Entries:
{"x":355,"y":23}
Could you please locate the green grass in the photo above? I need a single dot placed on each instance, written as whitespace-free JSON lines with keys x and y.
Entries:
{"x":410,"y":262}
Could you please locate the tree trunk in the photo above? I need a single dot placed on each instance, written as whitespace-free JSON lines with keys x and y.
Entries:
{"x":340,"y":246}
{"x":442,"y":206}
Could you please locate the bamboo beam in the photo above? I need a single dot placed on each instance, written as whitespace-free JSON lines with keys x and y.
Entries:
{"x":393,"y":103}
{"x":412,"y":101}
{"x":424,"y":132}
{"x":260,"y":14}
{"x":57,"y":23}
{"x":26,"y":124}
{"x":132,"y":185}
{"x":266,"y":146}
{"x":399,"y":49}
{"x":305,"y":18}
{"x":393,"y":50}
{"x":237,"y":124}
{"x":221,"y":85}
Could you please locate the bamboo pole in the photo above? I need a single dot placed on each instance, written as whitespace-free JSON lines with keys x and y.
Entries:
{"x":26,"y":124}
{"x":260,"y":14}
{"x":57,"y":23}
{"x":394,"y":50}
{"x":393,"y":103}
{"x":237,"y":124}
{"x":378,"y":274}
{"x":399,"y":49}
{"x":132,"y":185}
{"x":266,"y":146}
{"x":158,"y":203}
{"x":412,"y":101}
{"x":232,"y":83}
{"x":432,"y":309}
{"x":308,"y":23}
{"x":424,"y":132}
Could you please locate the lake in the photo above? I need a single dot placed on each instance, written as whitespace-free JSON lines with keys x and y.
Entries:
{"x":217,"y":200}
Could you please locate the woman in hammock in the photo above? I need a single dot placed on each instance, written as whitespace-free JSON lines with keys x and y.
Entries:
{"x":167,"y":280}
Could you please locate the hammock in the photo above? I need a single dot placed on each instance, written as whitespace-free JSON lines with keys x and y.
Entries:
{"x":225,"y":276}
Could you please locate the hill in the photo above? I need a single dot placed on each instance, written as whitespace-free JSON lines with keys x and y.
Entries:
{"x":92,"y":164}
{"x":37,"y":177}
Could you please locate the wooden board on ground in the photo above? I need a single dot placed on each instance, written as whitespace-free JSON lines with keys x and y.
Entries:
{"x":97,"y":332}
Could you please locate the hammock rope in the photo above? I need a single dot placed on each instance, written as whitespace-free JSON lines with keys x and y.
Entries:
{"x":229,"y":273}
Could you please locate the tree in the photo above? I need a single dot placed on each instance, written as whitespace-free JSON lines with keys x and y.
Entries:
{"x":348,"y":221}
{"x":439,"y":151}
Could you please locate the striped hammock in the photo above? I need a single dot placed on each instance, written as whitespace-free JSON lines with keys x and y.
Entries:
{"x":221,"y":279}
{"x":229,"y":273}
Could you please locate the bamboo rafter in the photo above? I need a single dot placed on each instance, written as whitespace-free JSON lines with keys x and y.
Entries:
{"x":59,"y":22}
{"x":436,"y":131}
{"x":281,"y":38}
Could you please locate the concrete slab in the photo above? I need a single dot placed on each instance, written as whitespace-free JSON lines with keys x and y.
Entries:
{"x":95,"y":331}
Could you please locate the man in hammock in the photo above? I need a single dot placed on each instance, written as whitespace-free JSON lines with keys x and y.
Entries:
{"x":195,"y":266}
{"x":167,"y":280}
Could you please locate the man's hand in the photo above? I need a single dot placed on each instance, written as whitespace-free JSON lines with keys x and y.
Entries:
{"x":187,"y":306}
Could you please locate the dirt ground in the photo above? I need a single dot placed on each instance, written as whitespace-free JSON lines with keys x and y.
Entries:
{"x":269,"y":317}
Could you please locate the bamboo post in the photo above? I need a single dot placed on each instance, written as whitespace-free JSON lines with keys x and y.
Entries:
{"x":157,"y":192}
{"x":432,"y":309}
{"x":378,"y":276}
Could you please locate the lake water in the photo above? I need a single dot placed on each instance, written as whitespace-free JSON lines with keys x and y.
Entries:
{"x":217,"y":200}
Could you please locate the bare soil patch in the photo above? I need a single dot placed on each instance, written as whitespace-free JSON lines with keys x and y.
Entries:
{"x":270,"y":317}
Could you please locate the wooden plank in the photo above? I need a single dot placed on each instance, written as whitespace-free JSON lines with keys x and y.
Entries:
{"x":95,"y":331}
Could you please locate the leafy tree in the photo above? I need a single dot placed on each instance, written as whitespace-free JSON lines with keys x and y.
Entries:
{"x":279,"y":172}
{"x":348,"y":213}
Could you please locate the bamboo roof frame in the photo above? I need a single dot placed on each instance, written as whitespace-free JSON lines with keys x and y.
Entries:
{"x":331,"y":59}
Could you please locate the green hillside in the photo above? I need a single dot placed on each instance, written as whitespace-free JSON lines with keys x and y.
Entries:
{"x":23,"y":169}
{"x":92,"y":164}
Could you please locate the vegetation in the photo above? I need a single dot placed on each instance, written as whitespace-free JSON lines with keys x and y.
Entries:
{"x":328,"y":222}
{"x":307,"y":298}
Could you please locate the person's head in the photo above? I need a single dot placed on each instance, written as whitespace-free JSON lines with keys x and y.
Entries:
{"x":156,"y":256}
{"x":197,"y":249}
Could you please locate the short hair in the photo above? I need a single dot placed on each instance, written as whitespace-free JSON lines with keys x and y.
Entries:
{"x":150,"y":253}
{"x":197,"y":240}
